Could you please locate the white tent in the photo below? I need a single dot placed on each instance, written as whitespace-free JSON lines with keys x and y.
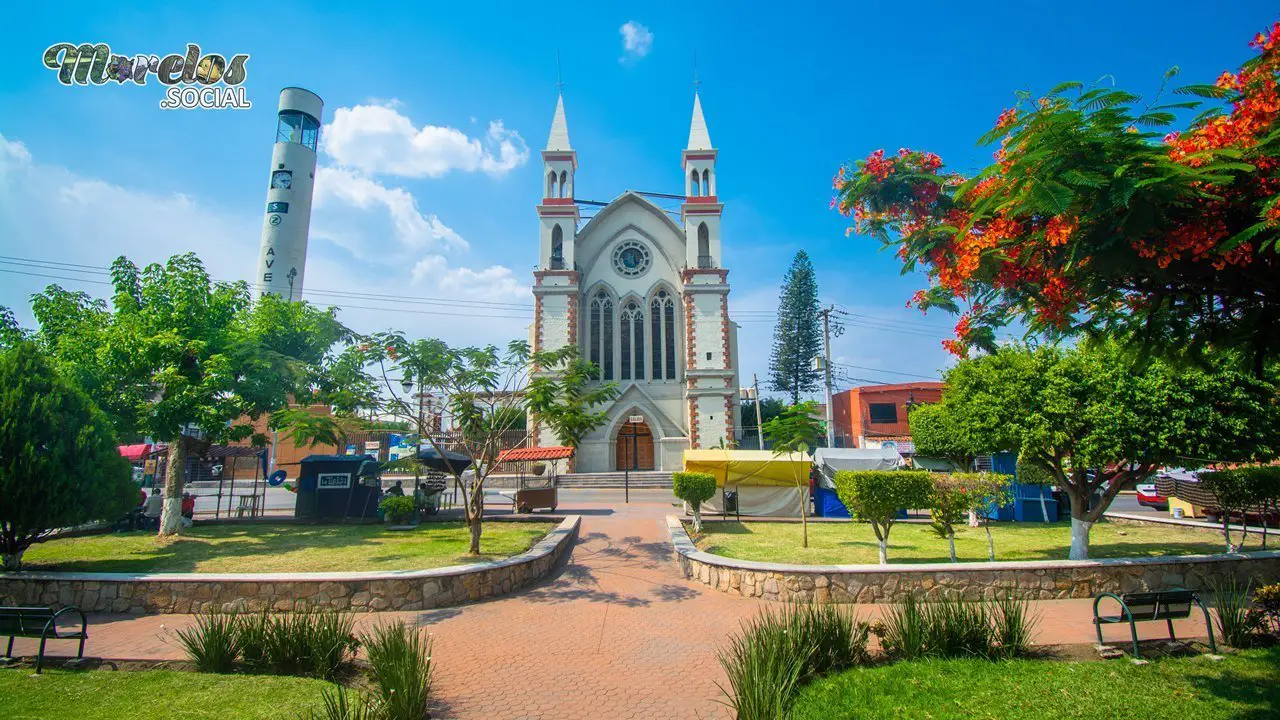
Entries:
{"x":831,"y":460}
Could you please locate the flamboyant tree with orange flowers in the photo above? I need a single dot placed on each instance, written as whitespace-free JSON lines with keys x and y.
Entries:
{"x":1096,"y":219}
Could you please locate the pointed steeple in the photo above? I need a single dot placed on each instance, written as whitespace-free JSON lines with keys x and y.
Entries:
{"x":559,"y":138}
{"x":699,"y":138}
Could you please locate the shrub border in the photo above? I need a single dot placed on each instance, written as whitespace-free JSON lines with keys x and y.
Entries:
{"x":1032,"y":579}
{"x":360,"y":591}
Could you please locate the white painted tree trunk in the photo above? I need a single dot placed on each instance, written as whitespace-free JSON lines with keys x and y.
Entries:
{"x":884,"y":552}
{"x":171,"y":510}
{"x":1079,"y":539}
{"x":973,"y":518}
{"x":697,"y":517}
{"x":991,"y":544}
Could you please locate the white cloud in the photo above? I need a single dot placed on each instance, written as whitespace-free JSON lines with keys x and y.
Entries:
{"x":378,"y":139}
{"x":48,"y":212}
{"x":496,"y":283}
{"x":637,"y":41}
{"x":409,"y":225}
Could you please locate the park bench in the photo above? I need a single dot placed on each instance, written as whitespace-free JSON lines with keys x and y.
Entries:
{"x":40,"y":622}
{"x":1167,"y":605}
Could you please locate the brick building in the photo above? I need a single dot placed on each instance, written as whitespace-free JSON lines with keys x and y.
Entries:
{"x":871,"y":415}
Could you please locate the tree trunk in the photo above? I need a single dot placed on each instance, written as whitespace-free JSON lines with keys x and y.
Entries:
{"x":951,"y":540}
{"x":13,"y":560}
{"x":1079,"y":538}
{"x":973,"y":519}
{"x":804,"y":518}
{"x":474,"y":526}
{"x":697,"y":518}
{"x":1044,"y":507}
{"x":884,"y":552}
{"x":171,"y":510}
{"x":991,"y":544}
{"x":1226,"y":529}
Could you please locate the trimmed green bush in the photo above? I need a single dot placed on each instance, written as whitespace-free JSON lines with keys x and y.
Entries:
{"x":694,"y":488}
{"x":397,"y":509}
{"x":877,"y":495}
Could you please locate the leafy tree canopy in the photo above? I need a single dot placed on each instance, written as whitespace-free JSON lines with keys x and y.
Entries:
{"x":59,"y":466}
{"x":797,"y":338}
{"x":1096,"y":219}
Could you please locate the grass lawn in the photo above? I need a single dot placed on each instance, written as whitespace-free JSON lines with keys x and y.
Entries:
{"x":1240,"y":687}
{"x":158,"y":694}
{"x":284,"y":547}
{"x":850,"y":543}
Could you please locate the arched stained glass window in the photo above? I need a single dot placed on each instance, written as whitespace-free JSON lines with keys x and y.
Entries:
{"x":662,"y":336}
{"x":631,"y":329}
{"x":600,"y":335}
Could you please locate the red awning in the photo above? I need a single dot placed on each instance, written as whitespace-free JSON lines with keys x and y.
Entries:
{"x":555,"y":452}
{"x":135,"y":453}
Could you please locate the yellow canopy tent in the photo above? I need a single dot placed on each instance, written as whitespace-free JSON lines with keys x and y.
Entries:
{"x":767,"y":484}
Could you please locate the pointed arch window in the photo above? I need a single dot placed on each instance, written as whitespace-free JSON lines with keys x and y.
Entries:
{"x":600,"y":337}
{"x":662,"y":335}
{"x":551,"y":184}
{"x":704,"y":246}
{"x":557,"y":248}
{"x":564,"y":182}
{"x":631,"y":329}
{"x":706,"y":182}
{"x":693,"y":184}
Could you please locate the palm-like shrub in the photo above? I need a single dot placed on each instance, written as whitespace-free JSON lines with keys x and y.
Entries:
{"x":213,"y":644}
{"x":694,"y":488}
{"x":400,"y":668}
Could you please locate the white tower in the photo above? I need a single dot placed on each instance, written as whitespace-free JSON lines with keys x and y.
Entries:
{"x":712,"y":338}
{"x":282,"y":260}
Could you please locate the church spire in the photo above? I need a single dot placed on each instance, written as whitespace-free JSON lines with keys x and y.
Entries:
{"x":559,"y":138}
{"x":699,"y":138}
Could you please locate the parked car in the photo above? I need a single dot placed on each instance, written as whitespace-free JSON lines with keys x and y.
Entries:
{"x":1148,"y":496}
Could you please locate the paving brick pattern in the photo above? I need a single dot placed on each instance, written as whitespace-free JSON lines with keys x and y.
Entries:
{"x":616,"y":632}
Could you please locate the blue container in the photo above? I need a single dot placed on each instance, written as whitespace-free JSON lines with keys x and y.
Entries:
{"x":827,"y":504}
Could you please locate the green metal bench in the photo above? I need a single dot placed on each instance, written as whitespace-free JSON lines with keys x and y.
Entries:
{"x":40,"y":622}
{"x":1167,"y":605}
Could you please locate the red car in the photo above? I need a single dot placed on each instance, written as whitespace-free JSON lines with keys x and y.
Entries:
{"x":1149,"y":497}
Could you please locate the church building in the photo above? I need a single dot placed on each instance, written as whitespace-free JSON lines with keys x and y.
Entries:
{"x":647,"y":300}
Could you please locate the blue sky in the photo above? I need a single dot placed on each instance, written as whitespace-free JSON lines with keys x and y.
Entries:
{"x":457,"y":100}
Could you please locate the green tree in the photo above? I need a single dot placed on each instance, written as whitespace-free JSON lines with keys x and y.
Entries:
{"x":936,"y":433}
{"x":1028,"y":472}
{"x":985,"y":491}
{"x":481,"y":384}
{"x":1239,"y":491}
{"x":797,"y":430}
{"x":570,"y":402}
{"x":1095,"y":218}
{"x":179,"y":355}
{"x":1097,"y":422}
{"x":949,"y":503}
{"x":878,"y":495}
{"x":59,"y":465}
{"x":10,"y":333}
{"x":694,"y":488}
{"x":797,"y":338}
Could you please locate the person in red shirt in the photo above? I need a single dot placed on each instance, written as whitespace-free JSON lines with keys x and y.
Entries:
{"x":188,"y":506}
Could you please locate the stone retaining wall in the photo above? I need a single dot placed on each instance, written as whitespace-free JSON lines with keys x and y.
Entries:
{"x":361,"y":591}
{"x":1042,"y":580}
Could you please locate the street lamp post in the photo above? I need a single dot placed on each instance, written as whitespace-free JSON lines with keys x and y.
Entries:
{"x":632,"y":422}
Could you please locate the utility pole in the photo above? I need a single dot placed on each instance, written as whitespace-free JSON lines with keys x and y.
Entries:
{"x":826,"y":353}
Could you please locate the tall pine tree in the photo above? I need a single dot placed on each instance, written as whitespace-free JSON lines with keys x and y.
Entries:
{"x":797,"y":339}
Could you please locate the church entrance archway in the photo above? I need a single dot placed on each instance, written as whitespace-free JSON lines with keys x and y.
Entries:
{"x":634,"y":447}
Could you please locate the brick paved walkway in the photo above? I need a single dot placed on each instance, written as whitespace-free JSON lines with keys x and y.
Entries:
{"x":616,"y":633}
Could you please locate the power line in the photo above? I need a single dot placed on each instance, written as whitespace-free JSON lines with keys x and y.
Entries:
{"x":882,"y":370}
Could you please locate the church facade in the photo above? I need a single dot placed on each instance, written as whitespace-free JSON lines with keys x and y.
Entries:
{"x":646,"y":299}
